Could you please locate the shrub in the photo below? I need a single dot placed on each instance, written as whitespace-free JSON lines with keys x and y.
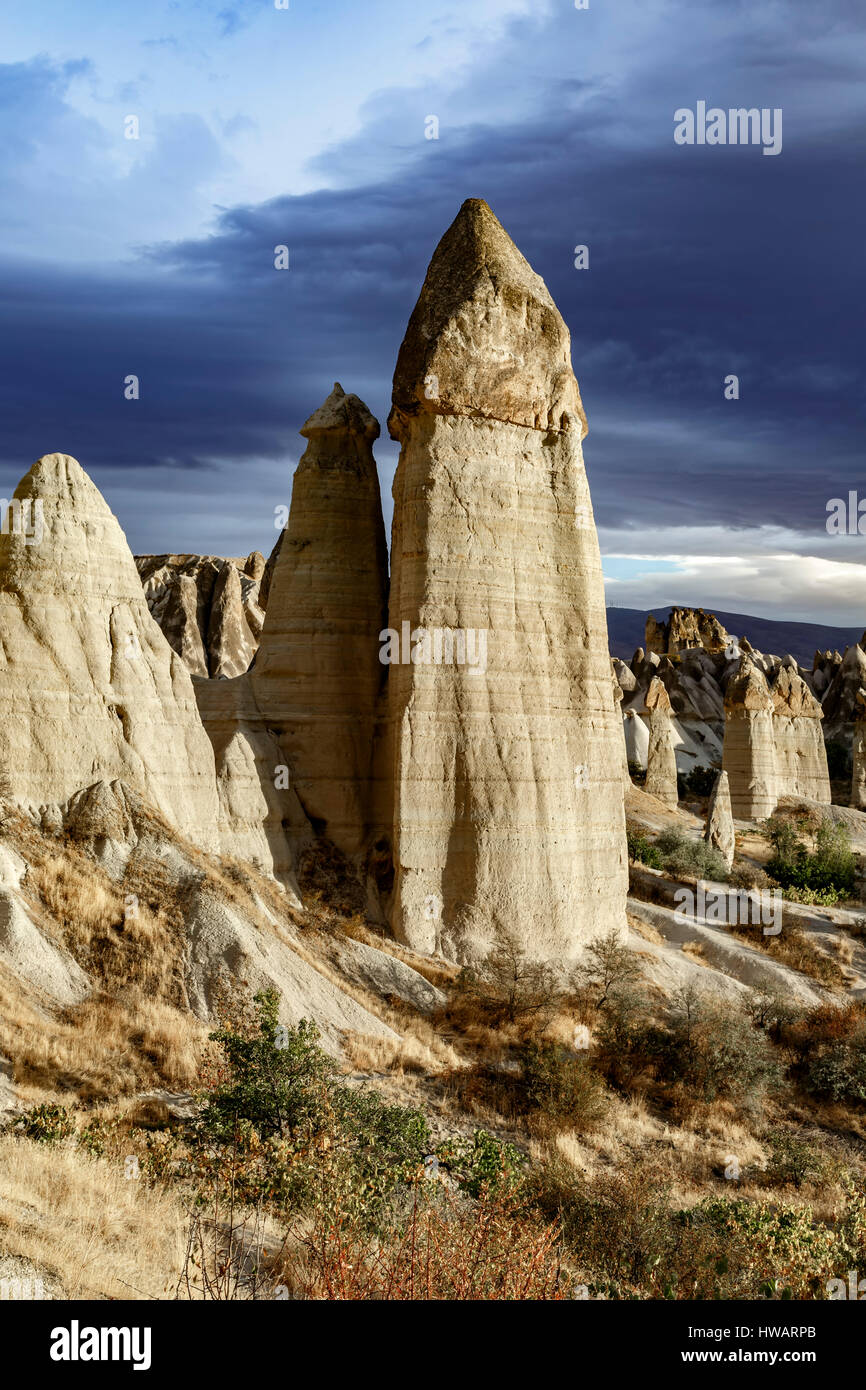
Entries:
{"x":838,"y":1072}
{"x":482,"y":1164}
{"x":694,"y":858}
{"x":698,"y":782}
{"x":490,"y":1249}
{"x":643,"y":851}
{"x":792,"y":1160}
{"x":278,"y":1126}
{"x":829,"y":869}
{"x":47,"y":1124}
{"x":714,"y":1053}
{"x":278,"y":1081}
{"x":561,"y":1085}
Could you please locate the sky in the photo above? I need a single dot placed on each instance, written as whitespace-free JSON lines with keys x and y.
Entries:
{"x":152,"y":157}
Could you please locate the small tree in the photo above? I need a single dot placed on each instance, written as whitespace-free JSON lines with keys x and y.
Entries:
{"x":279,"y":1079}
{"x":608,"y":966}
{"x":510,"y":985}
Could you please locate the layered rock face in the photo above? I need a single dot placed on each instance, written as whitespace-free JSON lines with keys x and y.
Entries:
{"x":719,"y":831}
{"x":261,"y":819}
{"x":801,"y":758}
{"x":504,"y":754}
{"x":661,"y":776}
{"x":89,"y":687}
{"x":749,"y":752}
{"x":207,"y":607}
{"x":317,"y":677}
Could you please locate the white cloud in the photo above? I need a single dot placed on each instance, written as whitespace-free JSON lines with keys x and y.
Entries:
{"x":767,"y":571}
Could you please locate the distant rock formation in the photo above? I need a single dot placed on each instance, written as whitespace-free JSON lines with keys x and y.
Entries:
{"x":749,"y":754}
{"x":89,"y":686}
{"x":207,"y":607}
{"x":503,"y":770}
{"x":661,"y":777}
{"x":719,"y":831}
{"x":801,"y":758}
{"x":317,"y":678}
{"x":686,"y":628}
{"x":839,"y":703}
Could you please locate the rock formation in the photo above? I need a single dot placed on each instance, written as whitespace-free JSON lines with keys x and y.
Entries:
{"x":858,"y":772}
{"x":207,"y":607}
{"x":503,"y":757}
{"x":719,"y":832}
{"x":89,"y":687}
{"x":317,"y":678}
{"x":749,"y":755}
{"x":801,"y":758}
{"x":839,"y":703}
{"x":661,"y":777}
{"x":684,"y":629}
{"x":261,"y":819}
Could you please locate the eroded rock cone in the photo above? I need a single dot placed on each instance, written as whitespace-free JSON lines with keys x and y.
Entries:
{"x":505,"y":766}
{"x":749,"y":753}
{"x":801,"y":758}
{"x":317,"y":675}
{"x":719,"y":831}
{"x":661,"y":773}
{"x":89,"y":687}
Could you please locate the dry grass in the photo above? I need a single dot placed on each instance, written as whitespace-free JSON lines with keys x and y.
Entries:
{"x":418,"y":1049}
{"x":87,"y":1227}
{"x":108,"y":1046}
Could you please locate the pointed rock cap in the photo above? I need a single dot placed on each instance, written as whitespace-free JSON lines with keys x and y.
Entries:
{"x":485,"y":338}
{"x":657,"y":697}
{"x":748,"y":689}
{"x":342,"y":414}
{"x":63,"y":536}
{"x":791,"y":695}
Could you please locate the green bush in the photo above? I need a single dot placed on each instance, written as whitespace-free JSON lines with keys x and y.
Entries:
{"x":831,"y":868}
{"x":792,"y":1160}
{"x":483,"y":1164}
{"x":280,"y":1126}
{"x":838,"y":1071}
{"x":279,"y":1084}
{"x":712,"y":1053}
{"x":47,"y":1124}
{"x":693,"y":858}
{"x":643,"y":851}
{"x":699,"y":782}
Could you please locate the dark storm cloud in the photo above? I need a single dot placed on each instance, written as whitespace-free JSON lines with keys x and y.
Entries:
{"x":703,"y":262}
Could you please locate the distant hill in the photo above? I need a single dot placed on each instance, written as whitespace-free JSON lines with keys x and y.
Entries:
{"x":626,"y":628}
